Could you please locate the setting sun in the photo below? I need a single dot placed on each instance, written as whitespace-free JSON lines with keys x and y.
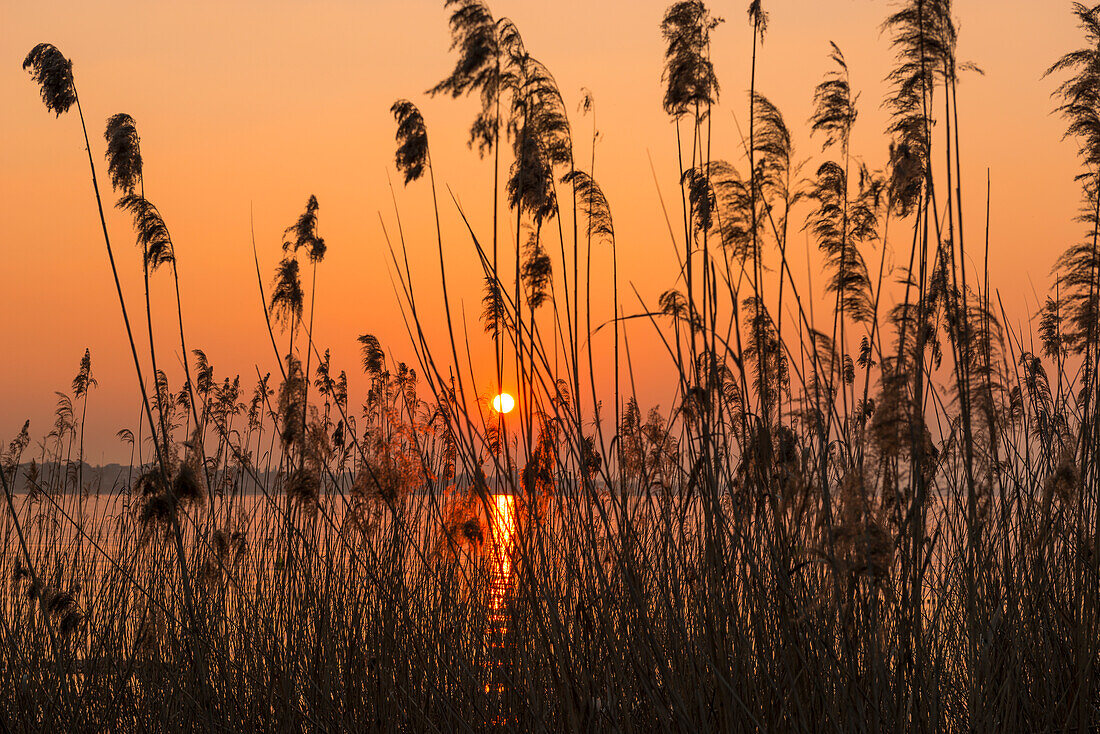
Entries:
{"x":504,"y":403}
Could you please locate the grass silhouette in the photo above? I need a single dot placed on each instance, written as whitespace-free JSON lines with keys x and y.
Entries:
{"x":883,"y":521}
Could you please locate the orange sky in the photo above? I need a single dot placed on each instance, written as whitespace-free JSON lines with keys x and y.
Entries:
{"x":260,"y":104}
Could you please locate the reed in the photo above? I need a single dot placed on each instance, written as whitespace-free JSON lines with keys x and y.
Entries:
{"x":877,"y":517}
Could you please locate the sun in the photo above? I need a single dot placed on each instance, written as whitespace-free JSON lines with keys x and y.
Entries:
{"x":504,"y":403}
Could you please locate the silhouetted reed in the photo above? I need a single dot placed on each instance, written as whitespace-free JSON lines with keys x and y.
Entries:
{"x":884,"y":523}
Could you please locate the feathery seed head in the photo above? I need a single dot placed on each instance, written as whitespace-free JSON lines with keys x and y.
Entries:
{"x":287,"y":295}
{"x":84,"y":379}
{"x":758,"y":17}
{"x":834,"y":106}
{"x":187,"y":486}
{"x":691,"y":84}
{"x":537,"y":272}
{"x":152,"y":232}
{"x":304,"y":489}
{"x":303,"y":234}
{"x":1063,"y":483}
{"x":412,"y":139}
{"x":593,"y":204}
{"x":123,"y":152}
{"x":54,"y":74}
{"x":494,"y":314}
{"x":374,"y":359}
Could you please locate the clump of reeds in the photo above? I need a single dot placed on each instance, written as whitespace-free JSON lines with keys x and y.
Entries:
{"x":881,"y":516}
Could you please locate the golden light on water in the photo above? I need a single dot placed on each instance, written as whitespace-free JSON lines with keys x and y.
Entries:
{"x":504,"y":531}
{"x":504,"y":403}
{"x":502,"y":518}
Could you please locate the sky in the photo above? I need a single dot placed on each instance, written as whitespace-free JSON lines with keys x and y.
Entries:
{"x":245,"y":109}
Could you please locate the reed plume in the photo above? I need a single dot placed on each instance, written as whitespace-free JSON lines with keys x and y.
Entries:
{"x":84,"y":379}
{"x":292,"y":406}
{"x":537,"y":274}
{"x":775,"y":151}
{"x":765,"y":352}
{"x":758,"y":17}
{"x":691,"y":86}
{"x":374,"y":359}
{"x":412,"y":139}
{"x":493,"y":314}
{"x":1078,"y":268}
{"x":594,"y":204}
{"x":722,"y":205}
{"x":834,"y":105}
{"x":160,"y":503}
{"x":481,"y":66}
{"x":286,"y":294}
{"x":152,"y":232}
{"x":11,"y":457}
{"x":54,"y":75}
{"x":839,"y":225}
{"x":123,"y":153}
{"x":303,"y":234}
{"x":303,"y":489}
{"x":542,"y":139}
{"x":923,"y":36}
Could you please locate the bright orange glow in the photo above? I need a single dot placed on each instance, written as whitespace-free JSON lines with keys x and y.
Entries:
{"x":502,"y":520}
{"x":504,"y":531}
{"x":504,"y":403}
{"x":208,"y":138}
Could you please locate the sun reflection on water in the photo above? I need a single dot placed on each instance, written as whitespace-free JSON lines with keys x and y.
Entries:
{"x":503,"y":532}
{"x":502,"y":519}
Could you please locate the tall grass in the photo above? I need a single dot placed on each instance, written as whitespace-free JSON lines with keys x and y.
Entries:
{"x":882,"y":517}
